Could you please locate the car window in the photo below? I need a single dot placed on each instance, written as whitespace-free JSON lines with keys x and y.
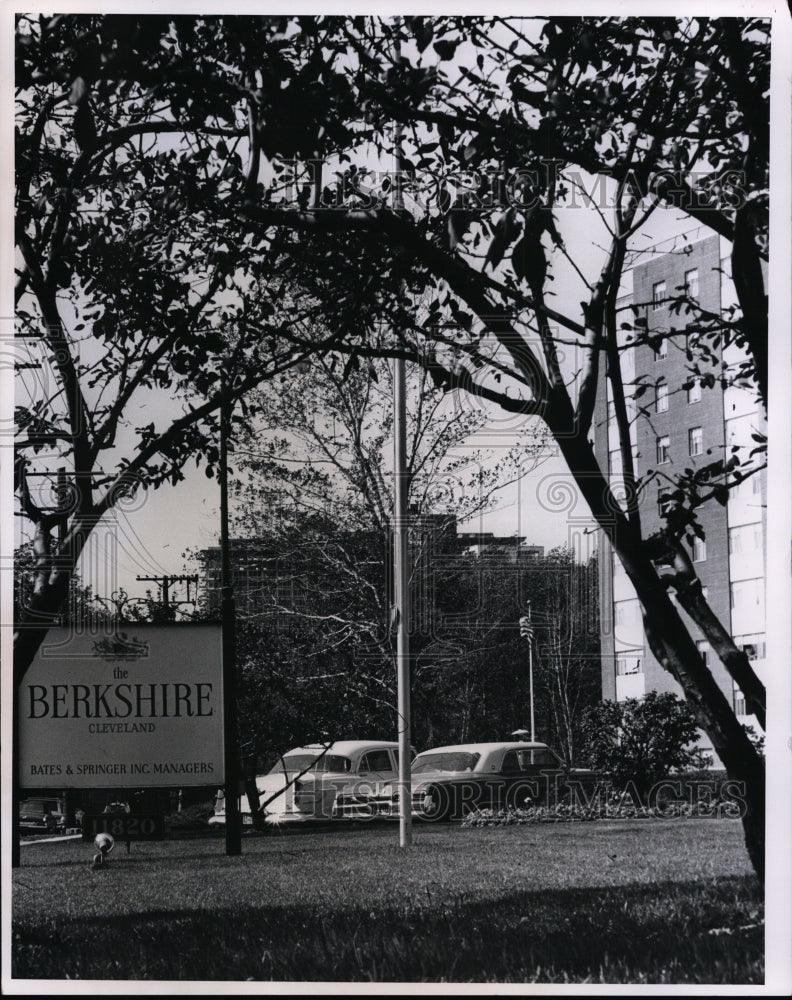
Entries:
{"x":456,"y":761}
{"x":510,"y":762}
{"x":376,"y":760}
{"x":521,"y":761}
{"x":296,"y":762}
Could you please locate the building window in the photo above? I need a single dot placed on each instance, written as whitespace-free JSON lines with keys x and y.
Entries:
{"x":695,"y":441}
{"x":627,"y":665}
{"x":661,"y":399}
{"x":752,"y":645}
{"x":625,"y":612}
{"x":694,"y":392}
{"x":699,"y":550}
{"x":746,"y":594}
{"x":658,"y":294}
{"x":739,"y":702}
{"x":745,"y":538}
{"x":661,"y":351}
{"x":704,"y":650}
{"x":663,"y":446}
{"x":662,"y":500}
{"x":692,"y":283}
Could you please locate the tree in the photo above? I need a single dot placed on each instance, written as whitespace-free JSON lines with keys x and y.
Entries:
{"x":565,"y":633}
{"x":80,"y":608}
{"x":475,"y":677}
{"x":312,"y":510}
{"x":260,"y":142}
{"x":641,"y":741}
{"x":124,"y":299}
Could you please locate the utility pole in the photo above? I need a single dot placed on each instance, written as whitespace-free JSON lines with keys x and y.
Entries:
{"x":164,"y":584}
{"x":233,"y":824}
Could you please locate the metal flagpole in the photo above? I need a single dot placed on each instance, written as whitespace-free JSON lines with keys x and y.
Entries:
{"x":401,"y":578}
{"x":233,"y":819}
{"x":526,"y":630}
{"x":401,"y":571}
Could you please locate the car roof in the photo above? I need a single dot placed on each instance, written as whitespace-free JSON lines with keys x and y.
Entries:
{"x":345,"y":747}
{"x":486,"y":747}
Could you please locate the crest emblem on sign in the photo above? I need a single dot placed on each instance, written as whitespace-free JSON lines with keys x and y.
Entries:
{"x":121,"y":647}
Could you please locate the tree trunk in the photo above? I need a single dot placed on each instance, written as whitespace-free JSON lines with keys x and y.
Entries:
{"x":668,"y":637}
{"x":734,"y":659}
{"x":47,"y":601}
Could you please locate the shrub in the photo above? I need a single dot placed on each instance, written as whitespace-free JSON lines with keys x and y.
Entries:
{"x":639,"y":742}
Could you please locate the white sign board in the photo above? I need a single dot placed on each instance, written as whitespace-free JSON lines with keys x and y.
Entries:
{"x":141,"y":706}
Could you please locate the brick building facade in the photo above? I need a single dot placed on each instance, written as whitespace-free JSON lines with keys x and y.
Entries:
{"x":680,"y":423}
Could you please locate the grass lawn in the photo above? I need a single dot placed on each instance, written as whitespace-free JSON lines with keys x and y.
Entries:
{"x":605,"y":902}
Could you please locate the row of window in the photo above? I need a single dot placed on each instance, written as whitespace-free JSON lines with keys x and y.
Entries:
{"x":744,"y":595}
{"x":691,"y":288}
{"x":659,"y":299}
{"x":661,"y":395}
{"x":754,"y":650}
{"x":626,"y":665}
{"x":695,"y":445}
{"x":744,"y":538}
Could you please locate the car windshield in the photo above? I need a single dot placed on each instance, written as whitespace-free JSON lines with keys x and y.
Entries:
{"x":296,"y":762}
{"x":39,"y":806}
{"x":445,"y":762}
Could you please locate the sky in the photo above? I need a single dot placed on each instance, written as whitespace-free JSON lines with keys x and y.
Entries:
{"x":153,"y":536}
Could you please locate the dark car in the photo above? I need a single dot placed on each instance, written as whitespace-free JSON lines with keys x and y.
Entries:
{"x":449,"y":782}
{"x":42,"y":814}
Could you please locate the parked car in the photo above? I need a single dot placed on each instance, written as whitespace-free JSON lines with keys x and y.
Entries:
{"x":341,"y":780}
{"x":42,"y":814}
{"x":448,"y":782}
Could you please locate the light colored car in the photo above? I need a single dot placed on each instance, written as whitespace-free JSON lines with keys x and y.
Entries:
{"x":347,"y":779}
{"x":448,"y":782}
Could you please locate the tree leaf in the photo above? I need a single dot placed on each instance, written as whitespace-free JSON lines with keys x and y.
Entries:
{"x":446,"y":48}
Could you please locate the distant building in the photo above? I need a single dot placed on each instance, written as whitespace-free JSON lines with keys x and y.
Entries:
{"x":264,"y":578}
{"x":485,"y":543}
{"x":674,"y":428}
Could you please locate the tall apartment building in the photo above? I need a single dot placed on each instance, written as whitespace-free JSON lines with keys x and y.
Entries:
{"x":673,"y":429}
